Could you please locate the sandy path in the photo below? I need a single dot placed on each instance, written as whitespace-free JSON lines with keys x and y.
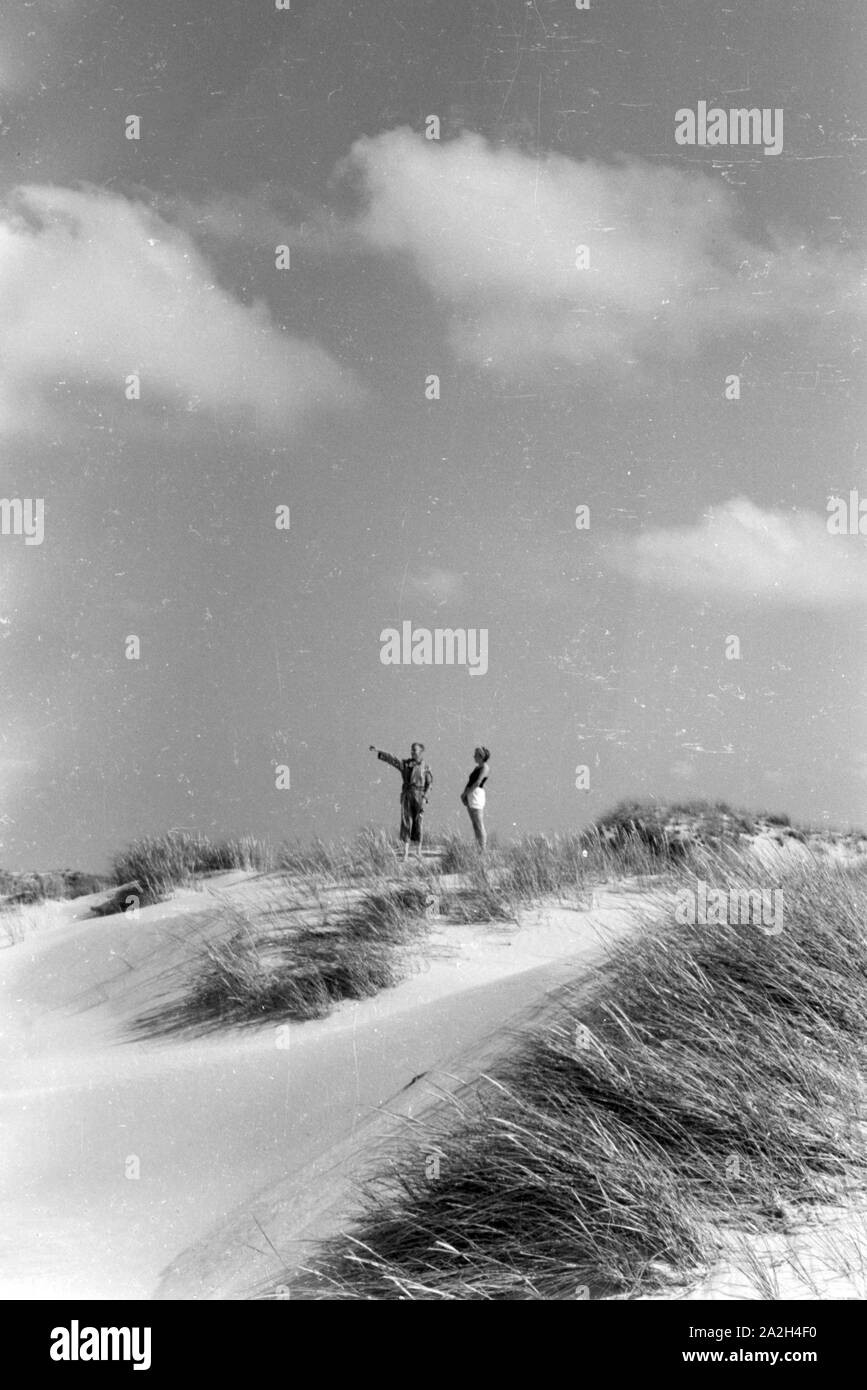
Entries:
{"x":234,"y":1133}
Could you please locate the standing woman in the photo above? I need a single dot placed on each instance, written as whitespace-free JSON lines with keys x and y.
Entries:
{"x":473,"y":796}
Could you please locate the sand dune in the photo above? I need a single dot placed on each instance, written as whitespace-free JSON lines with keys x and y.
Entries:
{"x":246,"y":1144}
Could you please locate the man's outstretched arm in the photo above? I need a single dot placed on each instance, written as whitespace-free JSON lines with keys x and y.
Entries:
{"x":387,"y":758}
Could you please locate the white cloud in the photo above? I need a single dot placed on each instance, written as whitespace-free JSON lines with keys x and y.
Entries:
{"x":94,"y":287}
{"x":739,"y":551}
{"x":494,"y":233}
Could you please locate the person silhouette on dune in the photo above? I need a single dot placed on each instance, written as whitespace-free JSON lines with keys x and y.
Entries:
{"x":416,"y":782}
{"x":473,"y":796}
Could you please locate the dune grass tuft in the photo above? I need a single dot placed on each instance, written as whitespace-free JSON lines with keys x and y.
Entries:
{"x":163,"y":862}
{"x":369,"y":854}
{"x":273,"y":964}
{"x":22,"y":920}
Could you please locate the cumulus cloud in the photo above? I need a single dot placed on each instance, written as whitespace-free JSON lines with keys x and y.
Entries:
{"x":740,"y":551}
{"x":496,"y":233}
{"x":94,"y":287}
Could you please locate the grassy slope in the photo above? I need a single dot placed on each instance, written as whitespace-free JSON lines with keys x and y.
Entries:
{"x":288,"y":960}
{"x":280,"y":963}
{"x":713,"y":1078}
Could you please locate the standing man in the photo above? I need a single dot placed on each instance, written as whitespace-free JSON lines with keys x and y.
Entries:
{"x":416,"y":782}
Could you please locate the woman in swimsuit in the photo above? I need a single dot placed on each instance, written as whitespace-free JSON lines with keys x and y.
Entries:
{"x":473,"y":796}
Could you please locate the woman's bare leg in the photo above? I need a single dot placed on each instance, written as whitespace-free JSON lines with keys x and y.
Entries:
{"x":477,"y":819}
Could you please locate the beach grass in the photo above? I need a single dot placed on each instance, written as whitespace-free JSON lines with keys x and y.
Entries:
{"x":712,"y":1076}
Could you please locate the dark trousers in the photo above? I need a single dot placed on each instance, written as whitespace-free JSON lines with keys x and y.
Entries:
{"x":411,"y":812}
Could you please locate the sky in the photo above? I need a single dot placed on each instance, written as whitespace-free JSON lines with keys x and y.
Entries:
{"x":698,"y":632}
